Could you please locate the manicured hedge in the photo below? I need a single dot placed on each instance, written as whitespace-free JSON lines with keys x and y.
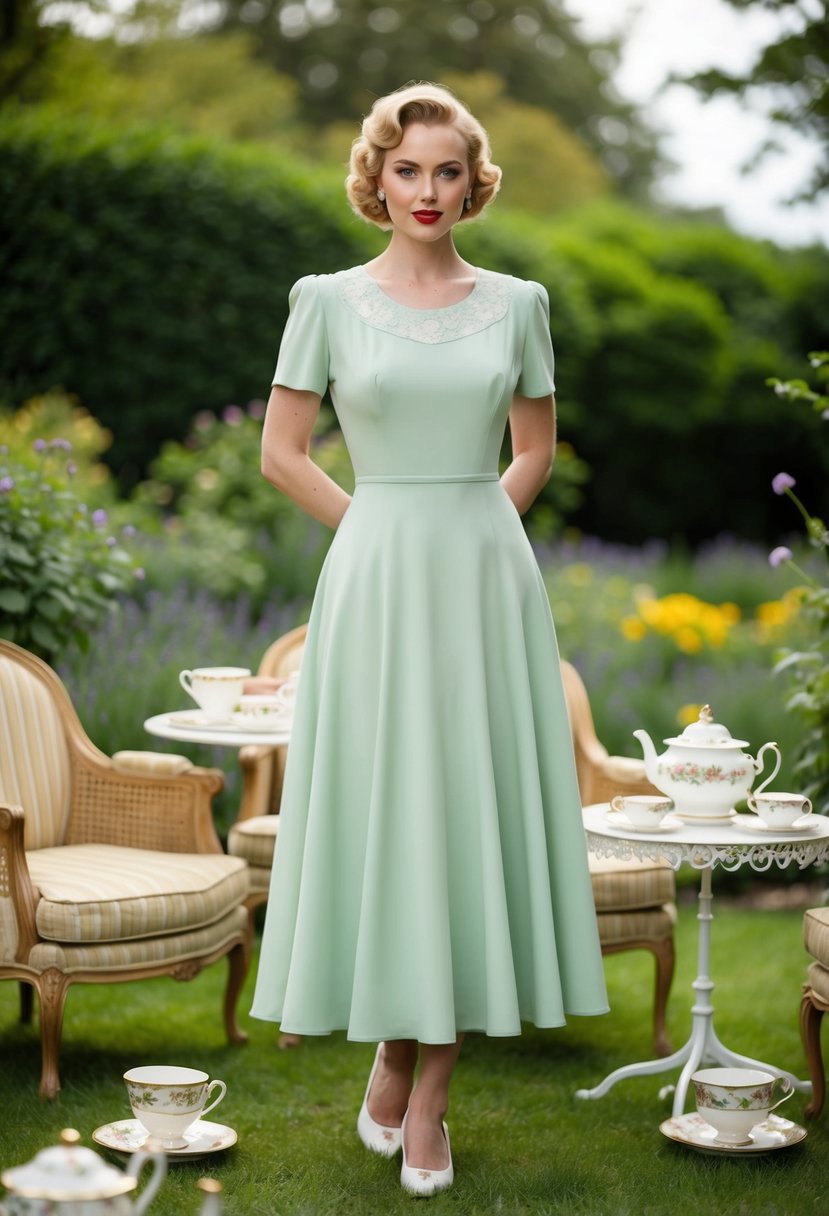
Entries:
{"x":149,"y":273}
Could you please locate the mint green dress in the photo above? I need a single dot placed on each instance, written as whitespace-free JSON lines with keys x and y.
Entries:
{"x":430,"y":874}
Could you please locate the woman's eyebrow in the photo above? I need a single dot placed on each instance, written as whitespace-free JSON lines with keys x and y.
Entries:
{"x":414,"y":165}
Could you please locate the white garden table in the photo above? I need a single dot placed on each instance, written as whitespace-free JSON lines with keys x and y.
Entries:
{"x":729,"y":844}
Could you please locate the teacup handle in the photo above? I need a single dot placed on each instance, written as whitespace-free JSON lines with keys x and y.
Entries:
{"x":617,"y":803}
{"x":185,"y":679}
{"x":211,"y":1086}
{"x":139,"y":1160}
{"x":758,"y":764}
{"x":788,"y":1090}
{"x":807,"y":804}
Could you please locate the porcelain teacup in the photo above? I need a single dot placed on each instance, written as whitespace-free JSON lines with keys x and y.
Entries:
{"x":216,"y":690}
{"x":643,"y":810}
{"x":779,"y":810}
{"x":734,"y":1100}
{"x":168,"y":1100}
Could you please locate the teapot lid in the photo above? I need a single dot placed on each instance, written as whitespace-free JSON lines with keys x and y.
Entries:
{"x":67,"y":1171}
{"x":705,"y":732}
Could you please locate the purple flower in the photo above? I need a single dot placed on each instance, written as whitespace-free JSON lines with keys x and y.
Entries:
{"x":71,"y":468}
{"x":39,"y":445}
{"x":128,"y":530}
{"x":779,"y":555}
{"x":203,"y":420}
{"x":233,"y":415}
{"x":99,"y":517}
{"x":6,"y":484}
{"x":256,"y":409}
{"x":140,"y":573}
{"x":63,"y":445}
{"x":111,"y":541}
{"x":782,"y":482}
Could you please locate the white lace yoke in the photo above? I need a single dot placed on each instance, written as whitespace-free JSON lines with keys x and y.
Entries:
{"x":487,"y":303}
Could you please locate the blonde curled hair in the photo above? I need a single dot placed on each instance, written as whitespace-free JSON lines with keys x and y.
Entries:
{"x":383,"y":129}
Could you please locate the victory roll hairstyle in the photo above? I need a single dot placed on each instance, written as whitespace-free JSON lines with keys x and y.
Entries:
{"x":383,"y":130}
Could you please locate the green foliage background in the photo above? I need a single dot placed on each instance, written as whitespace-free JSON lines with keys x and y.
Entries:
{"x":148,"y":273}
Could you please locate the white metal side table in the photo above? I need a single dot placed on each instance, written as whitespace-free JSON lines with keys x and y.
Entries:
{"x":727,"y":843}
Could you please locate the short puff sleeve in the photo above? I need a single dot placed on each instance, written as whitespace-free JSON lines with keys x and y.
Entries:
{"x":303,"y":361}
{"x":537,"y":363}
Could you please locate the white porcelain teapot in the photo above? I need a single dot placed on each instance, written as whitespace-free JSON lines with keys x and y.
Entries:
{"x":70,"y":1180}
{"x":705,"y":771}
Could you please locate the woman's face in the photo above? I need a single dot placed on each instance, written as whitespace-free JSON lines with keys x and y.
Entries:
{"x":426,"y":179}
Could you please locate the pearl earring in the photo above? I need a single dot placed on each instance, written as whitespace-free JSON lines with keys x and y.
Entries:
{"x":381,"y":194}
{"x":467,"y":202}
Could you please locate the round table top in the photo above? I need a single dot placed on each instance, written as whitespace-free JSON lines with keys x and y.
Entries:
{"x":700,"y":843}
{"x":187,"y":727}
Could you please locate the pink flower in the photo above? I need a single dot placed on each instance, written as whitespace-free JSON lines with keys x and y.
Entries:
{"x":256,"y":409}
{"x":782,"y":482}
{"x":203,"y":420}
{"x":233,"y":415}
{"x":779,"y":555}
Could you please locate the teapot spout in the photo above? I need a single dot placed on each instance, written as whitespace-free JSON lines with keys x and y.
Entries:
{"x":649,"y":751}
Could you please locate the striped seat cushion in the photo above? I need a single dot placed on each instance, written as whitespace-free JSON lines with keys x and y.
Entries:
{"x":622,"y":886}
{"x":107,"y":893}
{"x":254,"y":839}
{"x":620,"y":928}
{"x":816,"y":934}
{"x":819,"y":981}
{"x":147,"y":952}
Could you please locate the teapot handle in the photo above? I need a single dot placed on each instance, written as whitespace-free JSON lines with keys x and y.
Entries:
{"x":758,"y":764}
{"x":139,"y":1160}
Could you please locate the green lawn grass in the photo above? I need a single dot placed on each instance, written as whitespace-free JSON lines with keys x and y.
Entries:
{"x":522,"y":1143}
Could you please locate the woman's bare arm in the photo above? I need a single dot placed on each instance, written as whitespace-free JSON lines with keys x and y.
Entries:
{"x":532,"y":422}
{"x":286,"y":442}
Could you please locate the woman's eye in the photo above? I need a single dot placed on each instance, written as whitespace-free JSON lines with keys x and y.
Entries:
{"x":406,"y":172}
{"x":450,"y":173}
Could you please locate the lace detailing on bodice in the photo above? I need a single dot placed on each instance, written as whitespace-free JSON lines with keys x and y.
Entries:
{"x":487,"y":303}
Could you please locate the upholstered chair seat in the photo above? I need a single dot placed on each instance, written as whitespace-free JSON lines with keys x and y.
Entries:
{"x":110,"y":868}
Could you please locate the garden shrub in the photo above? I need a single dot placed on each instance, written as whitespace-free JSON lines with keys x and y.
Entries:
{"x":149,"y":272}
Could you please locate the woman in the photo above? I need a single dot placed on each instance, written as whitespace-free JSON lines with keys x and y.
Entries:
{"x":431,"y":876}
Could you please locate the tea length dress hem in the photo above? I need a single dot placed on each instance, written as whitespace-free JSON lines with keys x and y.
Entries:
{"x":431,"y":868}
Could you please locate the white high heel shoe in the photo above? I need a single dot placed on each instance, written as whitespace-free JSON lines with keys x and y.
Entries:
{"x":425,"y":1182}
{"x":376,"y":1137}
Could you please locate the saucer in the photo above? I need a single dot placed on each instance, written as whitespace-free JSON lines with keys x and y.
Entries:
{"x":615,"y":819}
{"x":203,"y":1138}
{"x":726,"y":818}
{"x":693,"y":1131}
{"x":197,"y":721}
{"x":753,"y":823}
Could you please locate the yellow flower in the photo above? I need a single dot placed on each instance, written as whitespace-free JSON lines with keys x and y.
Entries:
{"x":632,"y":628}
{"x":688,"y":714}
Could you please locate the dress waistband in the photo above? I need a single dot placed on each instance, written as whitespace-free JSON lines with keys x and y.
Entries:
{"x":426,"y":478}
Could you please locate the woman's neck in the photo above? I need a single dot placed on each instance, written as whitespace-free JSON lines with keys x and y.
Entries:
{"x":408,"y":261}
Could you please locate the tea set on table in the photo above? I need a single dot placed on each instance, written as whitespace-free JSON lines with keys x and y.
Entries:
{"x":703,"y":772}
{"x":219,"y":693}
{"x":169,"y":1104}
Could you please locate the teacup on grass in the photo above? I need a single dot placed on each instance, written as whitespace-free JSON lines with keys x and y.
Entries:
{"x":168,"y":1100}
{"x":734,"y":1100}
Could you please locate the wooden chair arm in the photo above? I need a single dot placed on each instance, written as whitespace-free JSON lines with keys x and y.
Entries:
{"x":16,"y":882}
{"x":171,"y":813}
{"x":257,"y":764}
{"x":614,"y":775}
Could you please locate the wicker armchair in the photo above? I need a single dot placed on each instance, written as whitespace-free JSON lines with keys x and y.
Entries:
{"x":634,"y":899}
{"x":110,"y":869}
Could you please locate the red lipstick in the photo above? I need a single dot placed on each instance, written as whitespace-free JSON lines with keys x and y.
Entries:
{"x":427,"y":217}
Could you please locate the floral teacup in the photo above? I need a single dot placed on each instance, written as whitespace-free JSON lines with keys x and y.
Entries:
{"x":169,"y":1100}
{"x":734,"y":1100}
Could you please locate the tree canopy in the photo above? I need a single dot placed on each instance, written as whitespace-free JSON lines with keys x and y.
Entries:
{"x":791,"y":76}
